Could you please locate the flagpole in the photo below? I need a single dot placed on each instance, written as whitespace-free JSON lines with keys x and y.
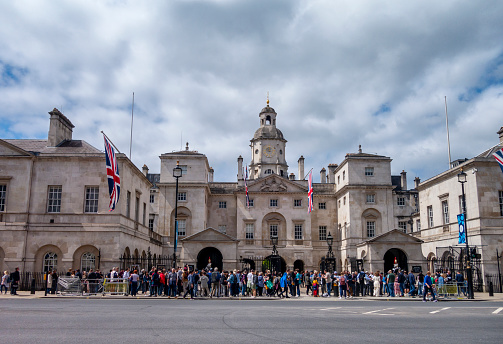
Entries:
{"x":117,"y":149}
{"x":307,"y":173}
{"x":447,"y":125}
{"x":131,"y":138}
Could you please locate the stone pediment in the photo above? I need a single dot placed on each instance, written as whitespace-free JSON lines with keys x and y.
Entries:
{"x":274,"y":183}
{"x":209,"y":234}
{"x":395,"y":236}
{"x":7,"y":149}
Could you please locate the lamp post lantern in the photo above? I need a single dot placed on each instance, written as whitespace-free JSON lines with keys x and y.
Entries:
{"x":177,"y":173}
{"x":275,"y":258}
{"x":462,"y":180}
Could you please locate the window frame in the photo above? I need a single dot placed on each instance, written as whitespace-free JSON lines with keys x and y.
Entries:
{"x":371,"y":228}
{"x":182,"y":196}
{"x":322,"y":205}
{"x":402,"y":225}
{"x":53,"y":202}
{"x":249,"y":234}
{"x":152,"y":198}
{"x":371,"y":199}
{"x":184,"y":221}
{"x":298,"y":232}
{"x":429,"y":214}
{"x":400,"y":201}
{"x":322,"y":236}
{"x":369,"y":171}
{"x":445,"y":212}
{"x":273,"y":203}
{"x":273,"y":230}
{"x":90,"y":203}
{"x":500,"y":196}
{"x":222,"y":204}
{"x":297,"y":203}
{"x":3,"y":197}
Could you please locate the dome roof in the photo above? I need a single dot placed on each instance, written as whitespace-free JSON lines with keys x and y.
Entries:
{"x":267,"y":109}
{"x":268,"y":132}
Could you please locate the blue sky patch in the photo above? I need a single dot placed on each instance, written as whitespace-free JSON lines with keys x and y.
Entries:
{"x":384,"y":108}
{"x":10,"y":74}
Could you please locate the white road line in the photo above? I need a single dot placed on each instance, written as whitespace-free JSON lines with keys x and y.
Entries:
{"x":498,"y":310}
{"x":378,"y":310}
{"x":440,"y":310}
{"x":329,"y":309}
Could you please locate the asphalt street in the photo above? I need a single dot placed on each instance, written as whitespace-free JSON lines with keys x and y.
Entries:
{"x":247,"y":321}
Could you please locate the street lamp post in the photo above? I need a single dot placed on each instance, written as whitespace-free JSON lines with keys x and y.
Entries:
{"x":462,"y":180}
{"x":330,"y":259}
{"x":275,"y":259}
{"x":177,"y":173}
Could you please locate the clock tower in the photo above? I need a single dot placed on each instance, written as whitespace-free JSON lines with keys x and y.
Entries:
{"x":268,"y":147}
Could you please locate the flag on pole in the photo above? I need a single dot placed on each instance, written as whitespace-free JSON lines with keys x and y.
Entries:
{"x":498,"y":155}
{"x":462,"y":232}
{"x":310,"y":193}
{"x":114,"y":180}
{"x":246,"y":188}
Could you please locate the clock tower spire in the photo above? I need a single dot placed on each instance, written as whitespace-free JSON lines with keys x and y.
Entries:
{"x":268,"y":147}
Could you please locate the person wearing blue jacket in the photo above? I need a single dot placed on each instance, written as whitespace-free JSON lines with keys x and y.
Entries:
{"x":283,"y":285}
{"x":428,"y":286}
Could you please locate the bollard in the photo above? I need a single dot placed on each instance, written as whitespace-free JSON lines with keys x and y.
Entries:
{"x":32,"y":286}
{"x":491,"y":291}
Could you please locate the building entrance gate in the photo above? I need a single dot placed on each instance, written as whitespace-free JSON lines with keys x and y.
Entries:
{"x":209,"y":257}
{"x":391,"y":255}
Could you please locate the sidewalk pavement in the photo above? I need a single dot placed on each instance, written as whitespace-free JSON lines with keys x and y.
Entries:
{"x":498,"y":297}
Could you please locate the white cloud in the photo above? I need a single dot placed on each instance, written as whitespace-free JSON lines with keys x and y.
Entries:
{"x":201,"y":70}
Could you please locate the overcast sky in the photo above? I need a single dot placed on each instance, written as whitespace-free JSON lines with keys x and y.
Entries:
{"x":339,"y":74}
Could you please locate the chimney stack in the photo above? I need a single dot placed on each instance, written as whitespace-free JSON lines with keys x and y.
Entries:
{"x":404,"y":180}
{"x":331,"y":173}
{"x":60,"y":128}
{"x":301,"y":168}
{"x":210,"y":175}
{"x":240,"y":168}
{"x":416,"y":182}
{"x":145,"y":169}
{"x":323,"y":175}
{"x":500,"y":133}
{"x":292,"y":176}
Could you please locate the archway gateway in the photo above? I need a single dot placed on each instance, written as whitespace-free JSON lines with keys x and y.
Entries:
{"x":389,"y":259}
{"x":209,"y":257}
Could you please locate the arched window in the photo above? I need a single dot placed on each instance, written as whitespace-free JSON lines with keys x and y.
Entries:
{"x":268,"y":120}
{"x":87,"y":261}
{"x":50,"y":261}
{"x":268,"y":171}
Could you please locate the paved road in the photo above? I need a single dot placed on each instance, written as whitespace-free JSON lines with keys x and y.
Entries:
{"x":247,"y":321}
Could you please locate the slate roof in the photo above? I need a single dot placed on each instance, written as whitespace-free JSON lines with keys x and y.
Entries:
{"x":66,"y":147}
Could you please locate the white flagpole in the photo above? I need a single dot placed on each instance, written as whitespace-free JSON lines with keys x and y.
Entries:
{"x":447,"y":125}
{"x":131,"y":138}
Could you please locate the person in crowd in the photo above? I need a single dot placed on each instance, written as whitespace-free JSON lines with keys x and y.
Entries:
{"x":315,"y":286}
{"x":412,"y":284}
{"x":420,"y":283}
{"x":460,"y":283}
{"x":5,"y":282}
{"x":204,"y":284}
{"x":134,"y":278}
{"x":428,"y":287}
{"x":260,"y":283}
{"x":390,"y":281}
{"x":15,"y":277}
{"x":377,"y":283}
{"x":190,"y":285}
{"x":215,"y":283}
{"x":328,"y":279}
{"x":342,"y":285}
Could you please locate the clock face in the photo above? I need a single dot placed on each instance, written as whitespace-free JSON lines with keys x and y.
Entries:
{"x":269,"y":151}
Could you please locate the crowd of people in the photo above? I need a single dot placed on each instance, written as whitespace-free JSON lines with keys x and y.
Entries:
{"x":210,"y":282}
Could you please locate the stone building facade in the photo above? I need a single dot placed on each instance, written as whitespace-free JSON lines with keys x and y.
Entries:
{"x":54,"y":208}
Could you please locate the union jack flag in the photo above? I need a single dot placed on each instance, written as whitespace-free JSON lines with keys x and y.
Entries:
{"x":114,"y":180}
{"x":246,"y":187}
{"x":498,"y":155}
{"x":310,"y":193}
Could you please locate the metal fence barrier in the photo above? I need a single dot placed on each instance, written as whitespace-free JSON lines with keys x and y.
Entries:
{"x":69,"y":286}
{"x":116,"y":286}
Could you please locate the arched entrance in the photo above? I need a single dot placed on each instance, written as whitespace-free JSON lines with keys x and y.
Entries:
{"x":209,"y":256}
{"x":268,"y":264}
{"x":298,"y":264}
{"x":389,"y":259}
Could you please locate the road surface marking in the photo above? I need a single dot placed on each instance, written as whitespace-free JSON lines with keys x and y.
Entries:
{"x":378,"y":310}
{"x":498,"y":310}
{"x":440,"y":310}
{"x":329,"y":309}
